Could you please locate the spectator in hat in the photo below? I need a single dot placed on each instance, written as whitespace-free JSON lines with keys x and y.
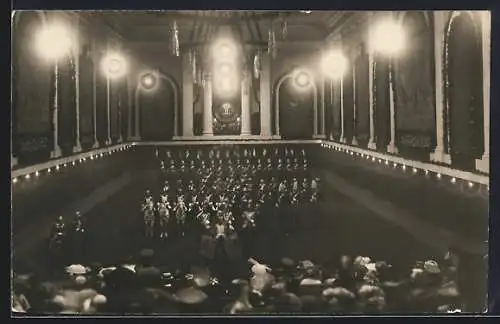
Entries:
{"x":346,"y":272}
{"x":147,"y":274}
{"x":242,"y":303}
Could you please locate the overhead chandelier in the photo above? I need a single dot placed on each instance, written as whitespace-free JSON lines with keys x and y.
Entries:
{"x":284,"y":29}
{"x":194,"y":65}
{"x":271,"y":43}
{"x":175,"y":39}
{"x":257,"y":64}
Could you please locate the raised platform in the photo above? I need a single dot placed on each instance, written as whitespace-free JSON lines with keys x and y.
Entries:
{"x":219,"y":141}
{"x":224,"y":138}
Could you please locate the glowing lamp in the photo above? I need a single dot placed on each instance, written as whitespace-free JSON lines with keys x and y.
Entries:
{"x":114,"y":65}
{"x":334,"y":64}
{"x":224,"y":49}
{"x":388,"y":38}
{"x":225,"y":68}
{"x":54,"y":41}
{"x":302,"y":79}
{"x":225,"y":86}
{"x":148,"y":81}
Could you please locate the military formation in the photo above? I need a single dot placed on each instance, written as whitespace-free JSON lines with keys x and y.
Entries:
{"x":227,"y":191}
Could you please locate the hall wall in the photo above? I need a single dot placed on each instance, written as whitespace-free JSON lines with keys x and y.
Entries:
{"x":33,"y":88}
{"x":422,"y":90}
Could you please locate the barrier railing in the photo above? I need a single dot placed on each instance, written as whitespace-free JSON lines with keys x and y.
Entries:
{"x":56,"y":164}
{"x":416,"y":166}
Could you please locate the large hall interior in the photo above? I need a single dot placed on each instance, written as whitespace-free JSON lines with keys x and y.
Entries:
{"x":250,"y":162}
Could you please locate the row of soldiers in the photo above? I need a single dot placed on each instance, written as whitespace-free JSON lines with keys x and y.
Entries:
{"x":233,"y":199}
{"x":280,"y":165}
{"x":233,"y":159}
{"x":233,"y":153}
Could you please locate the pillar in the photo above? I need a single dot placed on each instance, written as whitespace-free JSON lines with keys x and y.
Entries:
{"x":342,"y":117}
{"x":108,"y":109}
{"x":137,"y":114}
{"x":95,"y":65}
{"x":323,"y":103}
{"x":315,"y":114}
{"x":331,"y":83}
{"x":120,"y":131}
{"x":56,"y":150}
{"x":371,"y":66}
{"x":187,"y":97}
{"x":207,"y":107}
{"x":483,"y":164}
{"x":265,"y":96}
{"x":391,"y":147}
{"x":78,"y":146}
{"x":130,"y":91}
{"x":246,"y":127}
{"x":439,"y":155}
{"x":354,"y":138}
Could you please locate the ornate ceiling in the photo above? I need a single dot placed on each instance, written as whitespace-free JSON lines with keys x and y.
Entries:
{"x":196,"y":27}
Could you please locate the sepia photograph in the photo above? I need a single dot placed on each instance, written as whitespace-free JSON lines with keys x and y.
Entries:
{"x":249,"y":163}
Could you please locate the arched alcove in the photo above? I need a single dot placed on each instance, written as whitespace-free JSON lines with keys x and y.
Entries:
{"x":328,"y":107}
{"x":86,"y":99}
{"x":348,"y":97}
{"x":67,"y":103}
{"x":101,"y":108}
{"x":464,"y":106}
{"x":414,"y":89}
{"x":296,"y":115}
{"x":362,"y":98}
{"x":157,"y":110}
{"x":124,"y":109}
{"x":381,"y":114}
{"x":32,"y":91}
{"x":336,"y":110}
{"x":114,"y":113}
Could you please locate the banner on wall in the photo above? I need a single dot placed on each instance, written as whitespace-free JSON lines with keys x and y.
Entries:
{"x":33,"y":82}
{"x":113,"y":109}
{"x":362,"y":100}
{"x":336,"y":111}
{"x":86,"y":100}
{"x":67,"y":104}
{"x":414,"y":88}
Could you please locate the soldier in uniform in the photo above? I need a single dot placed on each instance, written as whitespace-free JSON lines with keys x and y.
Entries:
{"x":180,"y":211}
{"x":247,"y":228}
{"x":57,"y":240}
{"x":192,"y":166}
{"x":304,"y":192}
{"x":163,"y":207}
{"x":172,"y":169}
{"x":269,"y":165}
{"x":78,"y":236}
{"x":315,"y":187}
{"x":148,"y":211}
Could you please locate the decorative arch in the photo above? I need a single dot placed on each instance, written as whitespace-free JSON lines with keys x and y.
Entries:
{"x":463,"y":116}
{"x":281,"y":80}
{"x":403,"y":14}
{"x":361,"y":96}
{"x":87,"y":96}
{"x":32,"y":91}
{"x":175,"y":88}
{"x":414,"y":80}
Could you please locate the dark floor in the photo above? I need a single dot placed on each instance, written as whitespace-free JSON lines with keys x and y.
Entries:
{"x":336,"y":226}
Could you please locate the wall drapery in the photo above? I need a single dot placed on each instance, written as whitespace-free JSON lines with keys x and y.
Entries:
{"x":414,"y":87}
{"x":32,"y":92}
